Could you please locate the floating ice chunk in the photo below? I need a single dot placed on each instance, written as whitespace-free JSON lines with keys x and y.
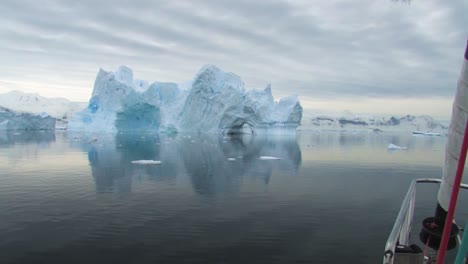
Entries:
{"x":432,"y":134}
{"x":231,"y":159}
{"x":147,"y":162}
{"x":269,"y":158}
{"x":393,"y":146}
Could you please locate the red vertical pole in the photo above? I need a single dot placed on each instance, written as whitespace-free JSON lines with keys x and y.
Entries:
{"x":453,"y":199}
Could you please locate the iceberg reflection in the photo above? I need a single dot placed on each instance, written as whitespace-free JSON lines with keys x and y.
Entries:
{"x":211,"y":164}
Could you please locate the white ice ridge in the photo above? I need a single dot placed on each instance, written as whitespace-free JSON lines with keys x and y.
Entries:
{"x":420,"y":133}
{"x":268,"y":158}
{"x":215,"y":101}
{"x":393,"y":146}
{"x":147,"y":162}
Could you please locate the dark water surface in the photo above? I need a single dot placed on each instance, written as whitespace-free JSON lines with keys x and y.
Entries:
{"x":332,"y":198}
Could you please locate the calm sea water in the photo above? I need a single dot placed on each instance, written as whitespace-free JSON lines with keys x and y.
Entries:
{"x":331,"y":198}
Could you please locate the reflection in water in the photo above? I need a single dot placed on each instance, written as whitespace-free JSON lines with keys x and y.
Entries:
{"x":9,"y":137}
{"x":345,"y":139}
{"x":297,"y":209}
{"x":18,"y":147}
{"x":214,"y":164}
{"x":218,"y":164}
{"x":354,"y":147}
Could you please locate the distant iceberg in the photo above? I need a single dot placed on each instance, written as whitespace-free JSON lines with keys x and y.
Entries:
{"x":11,"y":120}
{"x":215,"y":101}
{"x":348,"y":121}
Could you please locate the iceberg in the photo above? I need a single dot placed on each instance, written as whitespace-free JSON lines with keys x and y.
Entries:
{"x":11,"y":120}
{"x":214,"y":102}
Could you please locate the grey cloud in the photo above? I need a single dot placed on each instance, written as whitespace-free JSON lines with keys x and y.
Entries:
{"x":318,"y":49}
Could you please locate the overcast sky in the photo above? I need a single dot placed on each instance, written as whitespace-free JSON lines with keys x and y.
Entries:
{"x":377,"y":56}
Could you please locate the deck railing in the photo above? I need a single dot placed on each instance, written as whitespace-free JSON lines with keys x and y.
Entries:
{"x":402,"y":228}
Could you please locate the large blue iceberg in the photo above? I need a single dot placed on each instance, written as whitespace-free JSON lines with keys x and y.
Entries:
{"x":215,"y":102}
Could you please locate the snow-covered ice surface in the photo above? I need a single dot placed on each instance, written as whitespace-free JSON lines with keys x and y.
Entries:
{"x":395,"y":147}
{"x":215,"y":101}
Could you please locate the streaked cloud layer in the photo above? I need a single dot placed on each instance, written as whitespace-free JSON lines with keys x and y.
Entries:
{"x":321,"y":50}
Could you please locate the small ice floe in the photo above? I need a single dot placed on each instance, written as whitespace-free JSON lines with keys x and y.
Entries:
{"x":269,"y":158}
{"x":421,"y":133}
{"x":393,"y":146}
{"x":231,"y":159}
{"x":147,"y":162}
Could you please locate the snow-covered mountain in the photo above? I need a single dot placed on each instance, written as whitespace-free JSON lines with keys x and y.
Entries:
{"x":356,"y":122}
{"x":60,"y":108}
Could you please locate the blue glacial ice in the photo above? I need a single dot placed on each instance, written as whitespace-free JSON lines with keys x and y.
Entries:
{"x":11,"y":120}
{"x":214,"y":102}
